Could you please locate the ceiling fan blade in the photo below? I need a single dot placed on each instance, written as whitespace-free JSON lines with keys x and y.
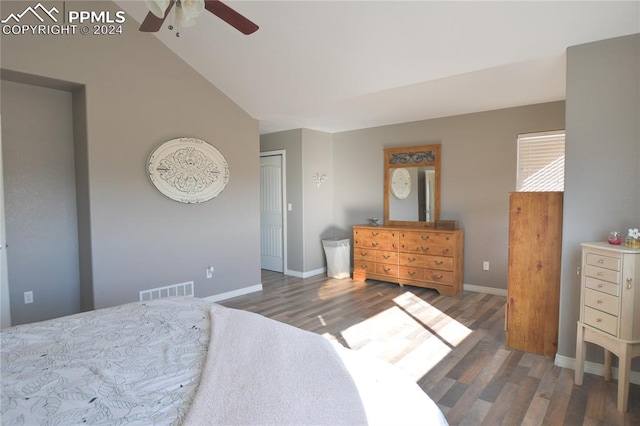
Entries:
{"x":152,"y":23}
{"x":230,"y":16}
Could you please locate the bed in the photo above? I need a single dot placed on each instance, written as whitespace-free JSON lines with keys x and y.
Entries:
{"x":183,"y":360}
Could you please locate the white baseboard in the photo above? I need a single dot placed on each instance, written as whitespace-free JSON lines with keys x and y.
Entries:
{"x":234,"y":293}
{"x":486,"y":290}
{"x":307,"y":274}
{"x":593,"y":368}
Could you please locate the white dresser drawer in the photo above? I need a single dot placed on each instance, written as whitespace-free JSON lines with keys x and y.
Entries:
{"x":600,"y":320}
{"x":603,"y":286}
{"x":603,"y":261}
{"x":601,"y":301}
{"x":602,"y":273}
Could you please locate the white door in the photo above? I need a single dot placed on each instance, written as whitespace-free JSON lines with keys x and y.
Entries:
{"x":272,"y":230}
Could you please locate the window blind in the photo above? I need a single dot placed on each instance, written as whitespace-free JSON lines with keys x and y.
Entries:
{"x":540,"y":162}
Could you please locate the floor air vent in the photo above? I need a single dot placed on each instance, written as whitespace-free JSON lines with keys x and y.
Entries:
{"x":184,"y":289}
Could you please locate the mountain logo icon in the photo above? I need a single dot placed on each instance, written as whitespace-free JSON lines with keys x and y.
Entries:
{"x":34,"y":11}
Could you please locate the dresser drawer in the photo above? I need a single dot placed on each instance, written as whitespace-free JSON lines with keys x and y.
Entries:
{"x":426,"y":261}
{"x":410,"y":273}
{"x":386,"y":257}
{"x":424,"y":248}
{"x":602,"y":273}
{"x":387,"y":269}
{"x":444,"y":277}
{"x":375,"y":244}
{"x":363,"y":266}
{"x":439,"y":262}
{"x":375,"y":234}
{"x":413,"y":259}
{"x":360,"y":253}
{"x":601,"y":301}
{"x":603,"y":261}
{"x":603,"y":286}
{"x":426,"y":238}
{"x":600,"y":320}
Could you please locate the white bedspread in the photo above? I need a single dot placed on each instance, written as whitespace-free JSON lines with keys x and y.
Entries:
{"x":286,"y":376}
{"x":155,"y":363}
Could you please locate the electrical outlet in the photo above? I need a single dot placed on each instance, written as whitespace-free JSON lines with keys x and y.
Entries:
{"x":209,"y":272}
{"x":28,"y":297}
{"x":485,"y":265}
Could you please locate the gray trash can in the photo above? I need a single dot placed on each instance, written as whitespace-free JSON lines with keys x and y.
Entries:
{"x":338,"y":253}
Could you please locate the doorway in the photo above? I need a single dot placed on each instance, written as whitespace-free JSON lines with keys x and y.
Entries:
{"x":273,"y":229}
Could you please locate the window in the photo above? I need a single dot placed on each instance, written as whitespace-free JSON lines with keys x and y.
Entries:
{"x":541,"y":162}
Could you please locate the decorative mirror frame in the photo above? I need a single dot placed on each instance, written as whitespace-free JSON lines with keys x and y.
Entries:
{"x":412,"y":156}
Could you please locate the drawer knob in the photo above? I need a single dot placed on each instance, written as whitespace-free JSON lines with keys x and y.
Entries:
{"x":386,"y":269}
{"x":628,"y":280}
{"x":600,"y":274}
{"x":412,"y":273}
{"x":425,"y":237}
{"x":438,"y":262}
{"x":386,"y":256}
{"x":375,"y":244}
{"x":437,"y":277}
{"x":601,"y":261}
{"x":375,"y":234}
{"x":364,"y":254}
{"x":599,"y":301}
{"x":424,"y":248}
{"x":600,"y":285}
{"x":411,"y":259}
{"x":598,"y":319}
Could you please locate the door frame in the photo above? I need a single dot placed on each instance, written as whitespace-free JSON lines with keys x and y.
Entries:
{"x":283,"y":156}
{"x":5,"y":304}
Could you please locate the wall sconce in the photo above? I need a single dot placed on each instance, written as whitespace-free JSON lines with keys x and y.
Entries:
{"x":319,"y":179}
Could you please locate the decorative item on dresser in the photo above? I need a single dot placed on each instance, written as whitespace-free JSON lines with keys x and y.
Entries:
{"x":610,"y":310}
{"x":404,"y":255}
{"x":533,"y":278}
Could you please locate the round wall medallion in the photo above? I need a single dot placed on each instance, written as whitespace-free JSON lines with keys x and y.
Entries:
{"x":188,"y":170}
{"x":400,"y":183}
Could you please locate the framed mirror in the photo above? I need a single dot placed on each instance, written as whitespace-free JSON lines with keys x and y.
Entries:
{"x":412,"y":186}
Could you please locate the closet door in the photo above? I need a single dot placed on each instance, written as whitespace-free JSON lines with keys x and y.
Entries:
{"x":533,"y":287}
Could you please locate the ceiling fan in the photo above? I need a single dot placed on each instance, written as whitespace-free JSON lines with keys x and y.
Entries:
{"x":187,"y":10}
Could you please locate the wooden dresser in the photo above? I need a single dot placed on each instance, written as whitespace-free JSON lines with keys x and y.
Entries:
{"x":610,"y":310}
{"x":419,"y":257}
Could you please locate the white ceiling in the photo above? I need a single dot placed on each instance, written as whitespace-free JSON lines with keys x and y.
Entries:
{"x":343,"y":65}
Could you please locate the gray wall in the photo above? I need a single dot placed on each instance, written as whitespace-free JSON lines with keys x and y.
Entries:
{"x":291,"y":142}
{"x":311,"y":219}
{"x":478,"y":172}
{"x":317,"y":157}
{"x":602,"y":172}
{"x":40,"y":201}
{"x":138,"y":95}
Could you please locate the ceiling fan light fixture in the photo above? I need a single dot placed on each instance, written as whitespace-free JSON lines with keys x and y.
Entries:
{"x":158,"y":7}
{"x":187,"y":11}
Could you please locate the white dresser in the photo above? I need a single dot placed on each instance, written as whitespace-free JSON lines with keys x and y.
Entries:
{"x":610,"y":310}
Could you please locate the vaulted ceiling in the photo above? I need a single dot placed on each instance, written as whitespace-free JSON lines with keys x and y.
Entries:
{"x":342,"y":65}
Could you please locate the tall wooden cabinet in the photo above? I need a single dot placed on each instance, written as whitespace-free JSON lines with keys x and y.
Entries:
{"x":533,"y":286}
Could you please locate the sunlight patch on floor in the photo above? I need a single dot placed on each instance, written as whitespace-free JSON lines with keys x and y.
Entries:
{"x":413,"y":335}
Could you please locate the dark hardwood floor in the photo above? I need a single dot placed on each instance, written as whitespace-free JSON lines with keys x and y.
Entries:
{"x":452,"y":346}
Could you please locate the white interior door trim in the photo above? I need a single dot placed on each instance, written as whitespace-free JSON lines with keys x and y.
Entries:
{"x":283,"y":154}
{"x":5,"y":305}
